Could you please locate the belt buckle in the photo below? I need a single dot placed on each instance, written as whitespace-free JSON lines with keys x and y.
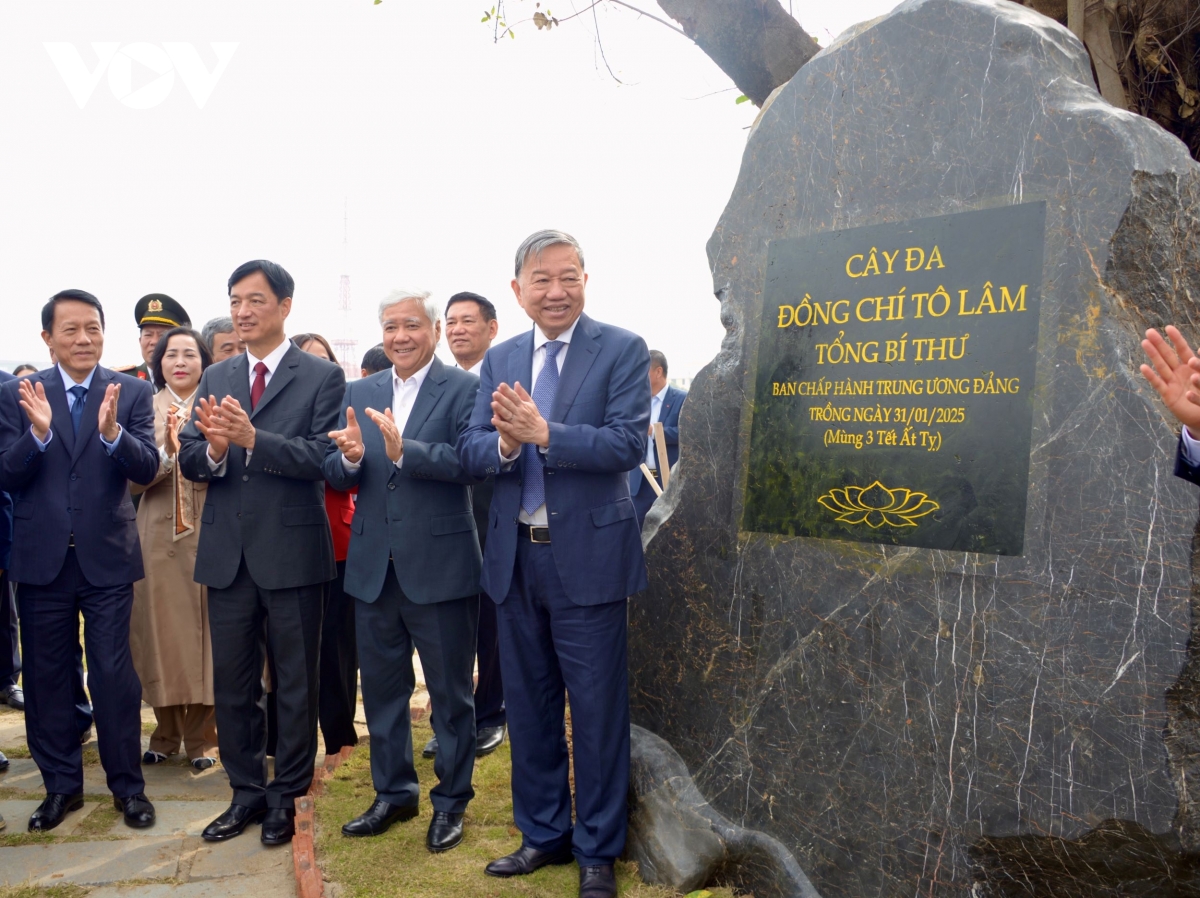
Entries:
{"x":539,"y":542}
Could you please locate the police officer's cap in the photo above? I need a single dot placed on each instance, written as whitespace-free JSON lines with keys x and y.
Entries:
{"x":158,"y":308}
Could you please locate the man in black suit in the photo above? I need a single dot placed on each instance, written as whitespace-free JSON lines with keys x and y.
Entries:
{"x":69,"y":445}
{"x":258,"y":437}
{"x":471,"y":326}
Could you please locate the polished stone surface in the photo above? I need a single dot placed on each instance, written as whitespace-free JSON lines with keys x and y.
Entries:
{"x":896,"y":715}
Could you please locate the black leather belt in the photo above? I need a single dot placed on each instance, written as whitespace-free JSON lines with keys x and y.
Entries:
{"x":538,"y":535}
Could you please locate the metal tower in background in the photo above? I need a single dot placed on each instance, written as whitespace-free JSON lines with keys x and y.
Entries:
{"x":345,"y":346}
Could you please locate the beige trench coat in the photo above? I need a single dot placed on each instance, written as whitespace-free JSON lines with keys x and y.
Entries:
{"x":168,"y":634}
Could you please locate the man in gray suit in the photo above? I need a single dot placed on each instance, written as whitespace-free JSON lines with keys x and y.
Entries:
{"x":413,"y":564}
{"x":258,"y":437}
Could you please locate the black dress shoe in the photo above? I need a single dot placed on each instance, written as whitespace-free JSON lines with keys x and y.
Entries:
{"x":445,"y":831}
{"x":3,"y":761}
{"x":51,"y":812}
{"x":14,"y":698}
{"x":488,"y":740}
{"x":278,"y":826}
{"x":378,"y":817}
{"x":232,"y":822}
{"x":430,"y":749}
{"x":138,"y":811}
{"x":597,"y":882}
{"x":526,"y":859}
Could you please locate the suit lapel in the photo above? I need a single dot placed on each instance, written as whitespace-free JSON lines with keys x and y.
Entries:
{"x":579,"y":361}
{"x":520,"y":363}
{"x":238,"y":385}
{"x":56,"y":395}
{"x":91,"y":412}
{"x":427,"y":399}
{"x":279,"y":379}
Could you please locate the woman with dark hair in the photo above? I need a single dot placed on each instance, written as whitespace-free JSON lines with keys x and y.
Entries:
{"x":169,"y":634}
{"x":339,"y":648}
{"x":22,"y":370}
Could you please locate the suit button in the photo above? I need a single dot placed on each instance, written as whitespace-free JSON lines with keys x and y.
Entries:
{"x":74,"y":476}
{"x":171,"y":552}
{"x":239,"y":514}
{"x":391,"y":486}
{"x":245,"y":477}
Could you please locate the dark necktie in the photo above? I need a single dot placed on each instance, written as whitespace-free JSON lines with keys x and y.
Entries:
{"x":260,"y":385}
{"x":533,"y":490}
{"x":80,"y":394}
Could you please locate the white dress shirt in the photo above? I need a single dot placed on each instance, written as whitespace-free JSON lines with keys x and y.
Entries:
{"x":404,"y":397}
{"x":539,"y":518}
{"x":86,"y":383}
{"x":474,"y":369}
{"x":274,"y":357}
{"x":1191,"y":449}
{"x":656,"y":404}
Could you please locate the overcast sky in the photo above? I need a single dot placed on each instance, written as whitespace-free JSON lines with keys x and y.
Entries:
{"x":212,"y":133}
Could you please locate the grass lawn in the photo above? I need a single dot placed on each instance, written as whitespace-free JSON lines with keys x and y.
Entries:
{"x":397,"y":863}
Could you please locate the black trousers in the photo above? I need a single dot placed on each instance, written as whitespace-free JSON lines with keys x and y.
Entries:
{"x":339,"y":667}
{"x":243,"y":619}
{"x":444,"y":636}
{"x":489,"y":689}
{"x":49,"y":641}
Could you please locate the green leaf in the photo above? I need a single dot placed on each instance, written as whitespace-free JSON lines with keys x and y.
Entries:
{"x":487,"y":16}
{"x":512,"y":34}
{"x":742,"y":99}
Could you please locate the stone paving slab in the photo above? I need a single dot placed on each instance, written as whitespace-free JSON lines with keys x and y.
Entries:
{"x":16,"y":814}
{"x":161,"y":779}
{"x":260,"y":886}
{"x":244,"y":855}
{"x":91,"y":863}
{"x":174,"y":818}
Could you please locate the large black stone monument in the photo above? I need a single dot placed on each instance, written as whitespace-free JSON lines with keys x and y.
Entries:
{"x":921,"y":590}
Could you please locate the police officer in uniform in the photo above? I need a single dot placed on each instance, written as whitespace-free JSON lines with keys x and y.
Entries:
{"x":155,"y":314}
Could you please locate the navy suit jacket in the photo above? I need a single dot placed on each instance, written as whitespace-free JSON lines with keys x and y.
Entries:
{"x":598,"y":427}
{"x":6,"y":518}
{"x":75,"y":486}
{"x":1184,"y":468}
{"x":419,"y":514}
{"x":669,"y":416}
{"x":270,"y":509}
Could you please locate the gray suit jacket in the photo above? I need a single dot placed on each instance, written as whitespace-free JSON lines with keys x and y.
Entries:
{"x":271,"y":509}
{"x":419,"y":514}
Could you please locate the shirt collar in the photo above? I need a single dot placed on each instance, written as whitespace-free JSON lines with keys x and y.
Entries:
{"x":416,"y":380}
{"x":274,"y":357}
{"x":662,"y":394}
{"x":69,"y":381}
{"x":540,"y":339}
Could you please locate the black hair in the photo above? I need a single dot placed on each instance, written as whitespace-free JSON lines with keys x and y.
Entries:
{"x":375,"y":360}
{"x":281,"y":282}
{"x":160,"y":350}
{"x":485,"y":305}
{"x":658,"y":360}
{"x":26,"y":368}
{"x":69,"y":296}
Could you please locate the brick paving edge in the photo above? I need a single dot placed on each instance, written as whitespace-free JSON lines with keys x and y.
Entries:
{"x":309,"y":883}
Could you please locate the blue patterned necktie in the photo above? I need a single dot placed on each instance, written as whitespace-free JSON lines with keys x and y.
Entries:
{"x":533,"y":492}
{"x":80,"y":394}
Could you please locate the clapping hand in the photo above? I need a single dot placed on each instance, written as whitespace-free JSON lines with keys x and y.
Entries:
{"x":1175,"y":375}
{"x":218,"y":444}
{"x":515,"y":415}
{"x":37,"y":407}
{"x":231,"y":421}
{"x":349,"y":438}
{"x":109,"y":428}
{"x":393,"y":443}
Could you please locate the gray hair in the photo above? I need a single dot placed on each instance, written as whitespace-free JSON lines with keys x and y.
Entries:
{"x":432,"y":311}
{"x":540,"y":241}
{"x":214,"y":327}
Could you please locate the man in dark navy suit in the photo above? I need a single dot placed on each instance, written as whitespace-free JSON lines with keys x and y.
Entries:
{"x":665,"y":403}
{"x":560,"y":420}
{"x":1174,"y":372}
{"x":71,"y":439}
{"x":413,"y":565}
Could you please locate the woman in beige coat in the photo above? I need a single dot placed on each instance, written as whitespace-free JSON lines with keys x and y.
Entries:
{"x":169,"y":634}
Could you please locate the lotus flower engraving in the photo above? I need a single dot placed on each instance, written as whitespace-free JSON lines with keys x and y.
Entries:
{"x":876,"y":505}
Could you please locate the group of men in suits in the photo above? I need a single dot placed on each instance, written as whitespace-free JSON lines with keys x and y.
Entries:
{"x":507,"y":475}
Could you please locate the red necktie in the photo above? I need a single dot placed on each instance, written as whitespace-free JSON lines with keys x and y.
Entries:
{"x":260,"y":385}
